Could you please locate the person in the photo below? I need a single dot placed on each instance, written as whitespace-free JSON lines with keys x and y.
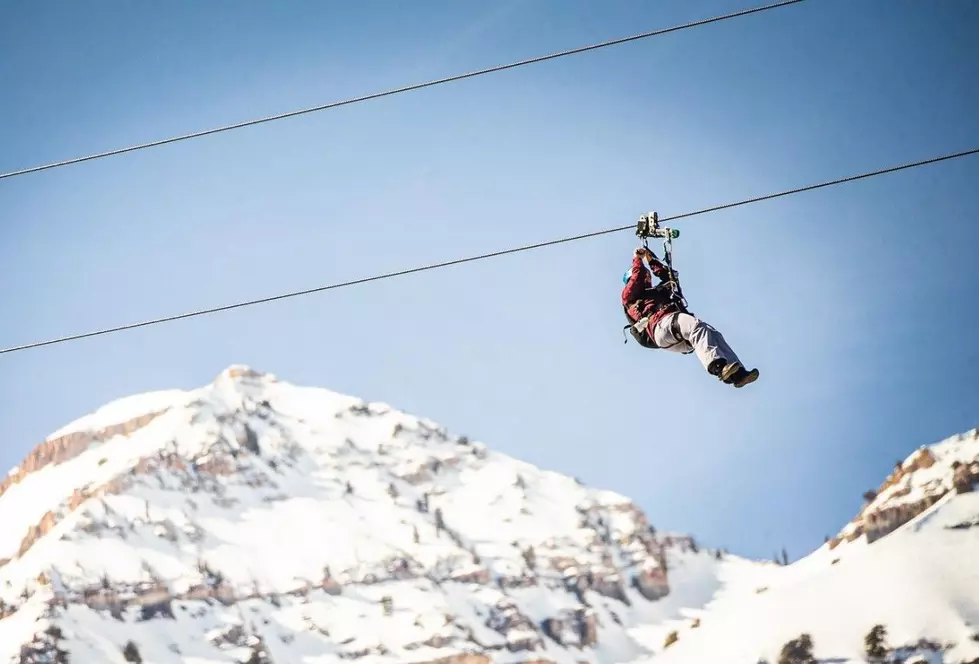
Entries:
{"x":659,"y":319}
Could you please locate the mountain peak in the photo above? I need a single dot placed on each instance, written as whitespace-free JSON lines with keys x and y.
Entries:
{"x":245,"y":373}
{"x":916,"y":483}
{"x":283,"y":501}
{"x":254,"y":520}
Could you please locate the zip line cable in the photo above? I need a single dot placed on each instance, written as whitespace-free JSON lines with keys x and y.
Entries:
{"x":514,"y":250}
{"x":408,"y":88}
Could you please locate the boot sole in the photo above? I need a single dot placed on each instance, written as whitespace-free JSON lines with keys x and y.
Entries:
{"x":728,"y":371}
{"x":750,"y":378}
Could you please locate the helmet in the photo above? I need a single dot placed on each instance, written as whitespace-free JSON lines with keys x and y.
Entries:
{"x":627,"y":276}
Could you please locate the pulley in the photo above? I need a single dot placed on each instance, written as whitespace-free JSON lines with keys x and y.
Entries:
{"x":648,"y":226}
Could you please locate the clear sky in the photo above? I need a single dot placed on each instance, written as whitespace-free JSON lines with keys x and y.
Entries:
{"x":857,"y":303}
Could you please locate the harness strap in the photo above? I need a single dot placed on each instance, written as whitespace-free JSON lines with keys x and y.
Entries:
{"x":639,"y":329}
{"x":674,"y":330}
{"x":675,"y":327}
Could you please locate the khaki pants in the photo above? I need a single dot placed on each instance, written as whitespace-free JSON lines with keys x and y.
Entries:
{"x":696,"y":337}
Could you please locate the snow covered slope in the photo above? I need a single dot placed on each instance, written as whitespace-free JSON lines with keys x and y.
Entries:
{"x":253,"y":520}
{"x":909,"y":562}
{"x":256,"y":521}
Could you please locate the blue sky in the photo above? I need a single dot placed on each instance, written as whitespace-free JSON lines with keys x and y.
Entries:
{"x":857,"y":302}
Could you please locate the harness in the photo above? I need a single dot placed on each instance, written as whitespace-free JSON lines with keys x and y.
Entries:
{"x":641,"y":334}
{"x":647,"y":227}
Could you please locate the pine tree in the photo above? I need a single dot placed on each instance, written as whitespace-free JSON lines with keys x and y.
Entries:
{"x":797,"y":651}
{"x":439,"y":521}
{"x":874,"y":643}
{"x":530,"y":557}
{"x":131,"y":653}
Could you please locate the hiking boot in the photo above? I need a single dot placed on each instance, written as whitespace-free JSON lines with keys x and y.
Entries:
{"x":742,"y":377}
{"x":716,"y":367}
{"x":731,"y":372}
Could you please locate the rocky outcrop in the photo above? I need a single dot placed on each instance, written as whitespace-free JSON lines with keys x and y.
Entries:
{"x":436,"y":641}
{"x":577,"y":628}
{"x":44,"y":648}
{"x":519,"y":631}
{"x":880,"y":521}
{"x":67,"y":447}
{"x":609,"y":586}
{"x":36,"y":532}
{"x":461,"y":658}
{"x":525,"y":581}
{"x":52,"y":519}
{"x":884,"y":521}
{"x":893,"y":504}
{"x":651,"y":583}
{"x":479,"y":575}
{"x":217,"y":463}
{"x":623,"y":528}
{"x":965,"y":476}
{"x":246,"y":372}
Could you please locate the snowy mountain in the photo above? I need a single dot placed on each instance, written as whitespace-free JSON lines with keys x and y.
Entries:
{"x":256,"y":521}
{"x":916,"y":484}
{"x":252,"y":520}
{"x":909,"y":562}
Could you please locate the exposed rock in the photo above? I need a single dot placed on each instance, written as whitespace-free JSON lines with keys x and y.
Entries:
{"x":965,"y":475}
{"x":889,"y":507}
{"x":472,"y":575}
{"x":518,"y":630}
{"x":461,"y":658}
{"x":651,"y":583}
{"x":215,"y":463}
{"x":882,"y":522}
{"x":230,"y":636}
{"x":250,"y":441}
{"x":922,"y":459}
{"x":610,"y":587}
{"x":36,"y":532}
{"x":578,"y":628}
{"x":243,"y":371}
{"x":67,"y":447}
{"x":78,"y":497}
{"x":586,"y":625}
{"x":44,"y":648}
{"x":526,"y":581}
{"x":418,"y":476}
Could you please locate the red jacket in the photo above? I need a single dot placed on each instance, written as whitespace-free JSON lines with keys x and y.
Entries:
{"x":639,"y":296}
